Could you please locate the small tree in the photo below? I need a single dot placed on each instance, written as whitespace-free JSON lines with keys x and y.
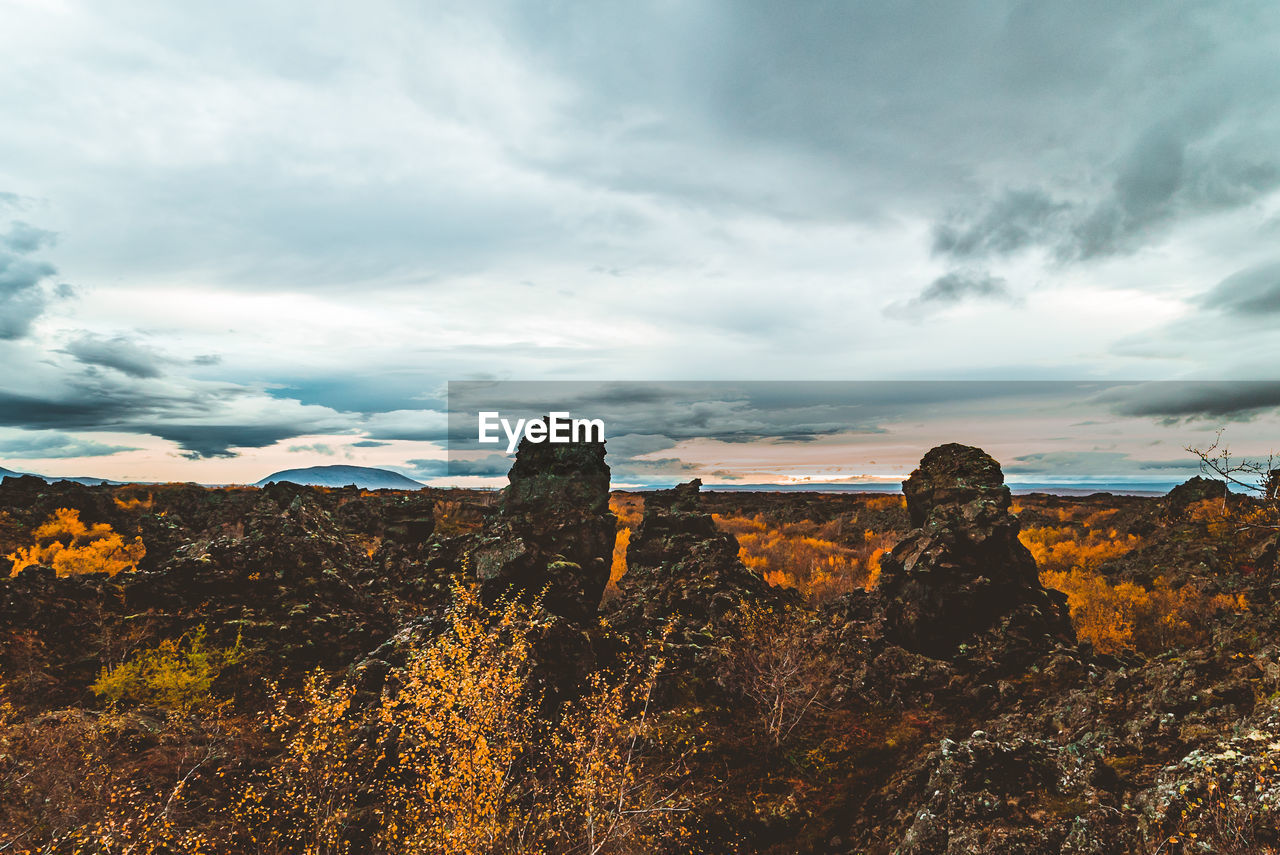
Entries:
{"x":774,"y":665}
{"x":1256,"y":476}
{"x":610,"y":799}
{"x":454,"y":758}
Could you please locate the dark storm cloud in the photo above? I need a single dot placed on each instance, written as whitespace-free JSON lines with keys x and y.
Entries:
{"x":24,"y":238}
{"x":1249,"y":293}
{"x":1065,"y":462}
{"x":628,"y":445}
{"x":955,"y":287}
{"x":369,"y":443}
{"x":1143,"y":194}
{"x":202,"y":420}
{"x":1098,"y":464}
{"x":70,"y":411}
{"x":427,"y":469}
{"x":119,"y":353}
{"x":22,"y":296}
{"x":1192,"y":400}
{"x":1168,"y":176}
{"x":54,"y":445}
{"x":662,"y":470}
{"x":952,"y":289}
{"x":1016,"y":220}
{"x":1189,"y":464}
{"x":661,"y":413}
{"x":220,"y":440}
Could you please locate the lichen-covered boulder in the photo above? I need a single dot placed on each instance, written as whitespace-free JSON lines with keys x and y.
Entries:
{"x":962,"y":571}
{"x":684,"y":573}
{"x":553,"y":535}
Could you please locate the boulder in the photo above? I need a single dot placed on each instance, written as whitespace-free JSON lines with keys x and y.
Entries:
{"x":962,"y":571}
{"x":1193,"y":490}
{"x":553,"y":534}
{"x":683,"y":571}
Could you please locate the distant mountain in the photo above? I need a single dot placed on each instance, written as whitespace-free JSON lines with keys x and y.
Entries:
{"x":88,"y":482}
{"x":342,"y":476}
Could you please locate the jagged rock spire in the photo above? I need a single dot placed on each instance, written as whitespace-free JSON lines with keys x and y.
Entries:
{"x":962,"y":571}
{"x":553,"y":535}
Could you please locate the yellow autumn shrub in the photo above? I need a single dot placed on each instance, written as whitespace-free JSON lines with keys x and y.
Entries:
{"x":1116,"y":616}
{"x":71,"y":547}
{"x":453,"y":758}
{"x":1125,"y":615}
{"x":1065,"y":548}
{"x":618,"y":567}
{"x":176,"y":675}
{"x":135,"y":502}
{"x":1102,"y":613}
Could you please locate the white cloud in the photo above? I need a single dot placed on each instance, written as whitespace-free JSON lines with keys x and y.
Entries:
{"x":349,"y":206}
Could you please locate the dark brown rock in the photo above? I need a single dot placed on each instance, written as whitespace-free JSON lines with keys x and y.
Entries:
{"x":962,"y":571}
{"x":950,"y":477}
{"x":1193,"y":490}
{"x":683,"y":571}
{"x":553,"y":536}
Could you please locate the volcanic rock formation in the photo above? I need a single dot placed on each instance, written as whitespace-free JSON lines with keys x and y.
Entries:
{"x":683,"y":570}
{"x":1193,"y":490}
{"x":553,"y":535}
{"x":962,"y":570}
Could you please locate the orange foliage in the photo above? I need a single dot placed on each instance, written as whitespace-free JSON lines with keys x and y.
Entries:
{"x":71,"y":547}
{"x":1067,"y":548}
{"x":797,"y":555}
{"x":619,"y":566}
{"x":884,"y":503}
{"x":1126,"y":615}
{"x":1121,"y":615}
{"x":458,"y":759}
{"x":1099,"y":518}
{"x":1102,"y":613}
{"x":873,"y":567}
{"x":134,"y":503}
{"x":628,"y":508}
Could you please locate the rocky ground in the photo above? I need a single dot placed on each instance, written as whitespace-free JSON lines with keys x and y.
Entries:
{"x":956,"y":705}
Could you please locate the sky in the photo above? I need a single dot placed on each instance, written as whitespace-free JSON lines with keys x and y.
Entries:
{"x":242,"y":237}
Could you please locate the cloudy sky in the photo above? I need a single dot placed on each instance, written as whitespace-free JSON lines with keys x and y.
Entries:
{"x":236,"y":237}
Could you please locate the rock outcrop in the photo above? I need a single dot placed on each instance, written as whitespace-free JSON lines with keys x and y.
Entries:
{"x":684,"y":571}
{"x":303,"y":577}
{"x":1193,"y":490}
{"x":962,"y":571}
{"x":980,"y":795}
{"x":553,"y":534}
